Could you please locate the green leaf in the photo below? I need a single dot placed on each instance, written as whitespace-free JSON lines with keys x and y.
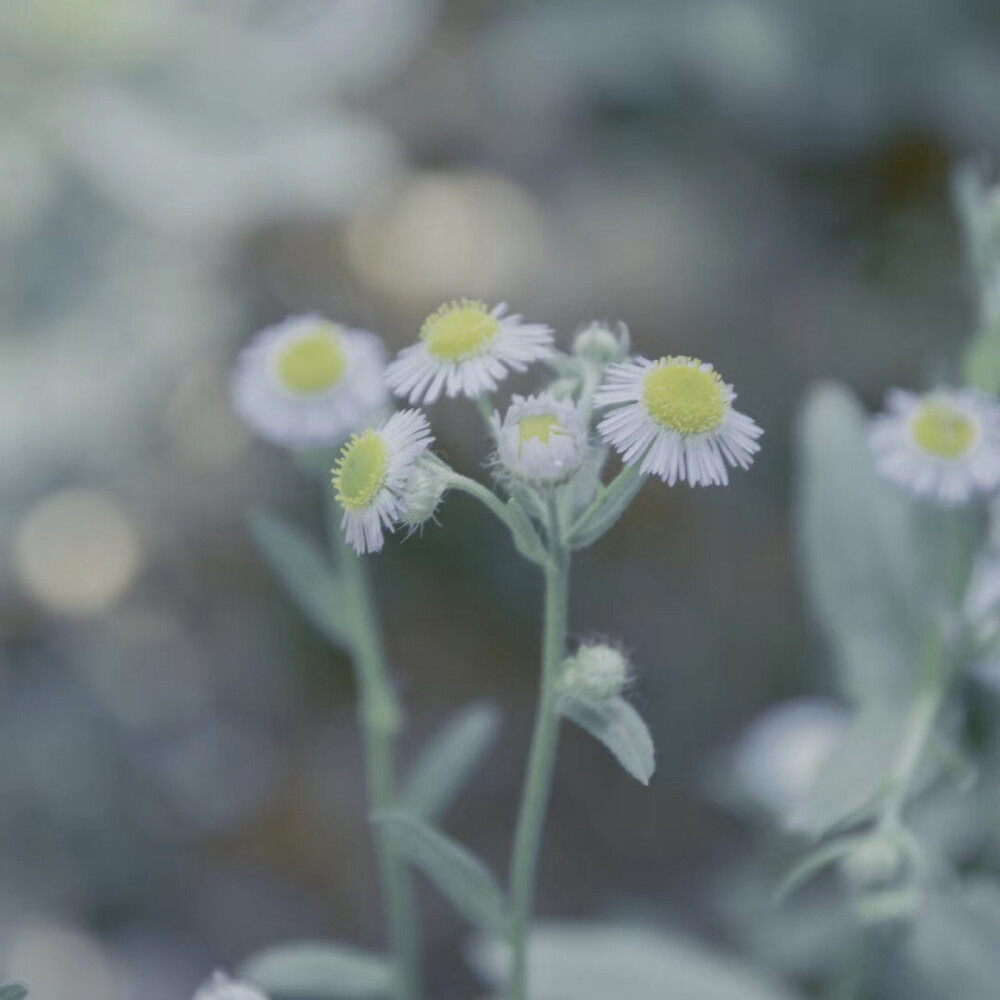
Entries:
{"x":853,"y":778}
{"x":318,"y":970}
{"x":872,"y":559}
{"x":592,"y":961}
{"x":620,"y":728}
{"x":307,"y":576}
{"x":526,"y":539}
{"x":605,"y":512}
{"x":460,"y":876}
{"x":13,"y":991}
{"x":445,"y":767}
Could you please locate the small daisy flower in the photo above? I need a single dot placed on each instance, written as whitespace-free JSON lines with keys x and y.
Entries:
{"x":307,"y":382}
{"x":466,"y":349}
{"x":541,"y":437}
{"x":943,"y":446}
{"x":676,"y":416}
{"x":372,"y":477}
{"x":221,"y":987}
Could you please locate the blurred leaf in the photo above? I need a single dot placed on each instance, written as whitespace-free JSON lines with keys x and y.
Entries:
{"x":13,"y":991}
{"x":317,"y":970}
{"x":853,"y":777}
{"x":461,"y":876}
{"x":307,"y":576}
{"x":981,"y":363}
{"x":955,"y":945}
{"x":813,"y":863}
{"x":445,"y":767}
{"x":620,"y":728}
{"x":873,"y":561}
{"x":602,"y":961}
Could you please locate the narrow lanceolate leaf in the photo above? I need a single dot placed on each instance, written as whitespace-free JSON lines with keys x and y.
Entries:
{"x":526,"y":539}
{"x":306,"y":575}
{"x":13,"y":991}
{"x":605,"y":512}
{"x":460,"y":876}
{"x":446,"y":766}
{"x":812,"y":864}
{"x":620,"y":728}
{"x":317,"y":971}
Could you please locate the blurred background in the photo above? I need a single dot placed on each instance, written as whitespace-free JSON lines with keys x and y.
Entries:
{"x":761,"y":183}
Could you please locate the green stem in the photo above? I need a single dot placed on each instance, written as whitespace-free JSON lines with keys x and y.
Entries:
{"x":541,"y":765}
{"x":380,"y":719}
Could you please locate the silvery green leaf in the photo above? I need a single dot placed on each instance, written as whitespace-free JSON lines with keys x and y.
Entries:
{"x":955,"y":944}
{"x":852,"y":779}
{"x":604,"y":513}
{"x":620,"y":728}
{"x":13,"y":991}
{"x":592,"y":961}
{"x":460,"y":876}
{"x":307,"y":576}
{"x":317,"y":970}
{"x":526,"y":539}
{"x":870,"y":558}
{"x":445,"y":767}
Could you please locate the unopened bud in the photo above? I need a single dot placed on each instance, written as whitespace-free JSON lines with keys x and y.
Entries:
{"x":596,"y":672}
{"x":601,"y":344}
{"x":221,"y":987}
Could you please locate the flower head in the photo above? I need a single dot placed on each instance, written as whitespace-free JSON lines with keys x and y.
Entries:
{"x":466,"y":349}
{"x":676,"y":417}
{"x":943,"y":446}
{"x":221,"y":987}
{"x":307,"y":382}
{"x":601,"y":343}
{"x":541,"y":438}
{"x":372,"y":477}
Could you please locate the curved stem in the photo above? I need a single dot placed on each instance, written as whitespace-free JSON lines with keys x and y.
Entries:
{"x":541,"y":764}
{"x":380,"y":718}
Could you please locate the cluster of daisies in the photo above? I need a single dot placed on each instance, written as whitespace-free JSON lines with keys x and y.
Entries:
{"x":309,"y":383}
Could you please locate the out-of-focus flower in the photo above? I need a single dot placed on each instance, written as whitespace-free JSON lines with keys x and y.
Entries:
{"x":309,"y":383}
{"x":601,"y":343}
{"x":221,"y":987}
{"x":372,"y":476}
{"x":676,"y":417}
{"x":541,"y":438}
{"x":466,"y":349}
{"x":943,"y":446}
{"x":782,"y":751}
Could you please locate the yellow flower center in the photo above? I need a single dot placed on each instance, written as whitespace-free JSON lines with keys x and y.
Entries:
{"x":313,"y":362}
{"x":943,"y":431}
{"x":459,"y":330}
{"x":360,"y":471}
{"x":539,"y":427}
{"x":685,"y":397}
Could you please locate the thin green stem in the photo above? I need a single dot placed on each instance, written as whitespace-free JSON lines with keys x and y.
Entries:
{"x":541,"y":763}
{"x":380,"y":718}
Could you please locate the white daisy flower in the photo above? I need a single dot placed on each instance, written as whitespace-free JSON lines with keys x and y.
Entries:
{"x":943,"y":446}
{"x":372,"y":477}
{"x":466,"y":349}
{"x":221,"y":987}
{"x":676,"y":416}
{"x":541,"y":438}
{"x":307,"y":382}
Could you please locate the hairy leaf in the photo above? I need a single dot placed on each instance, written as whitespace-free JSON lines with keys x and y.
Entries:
{"x":620,"y":728}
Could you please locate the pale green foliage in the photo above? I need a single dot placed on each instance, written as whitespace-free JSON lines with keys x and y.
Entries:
{"x":314,"y":970}
{"x":620,"y":728}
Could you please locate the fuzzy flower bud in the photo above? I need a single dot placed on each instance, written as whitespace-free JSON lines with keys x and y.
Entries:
{"x":221,"y":987}
{"x":876,"y":863}
{"x":424,"y":491}
{"x":597,"y":672}
{"x":602,"y":345}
